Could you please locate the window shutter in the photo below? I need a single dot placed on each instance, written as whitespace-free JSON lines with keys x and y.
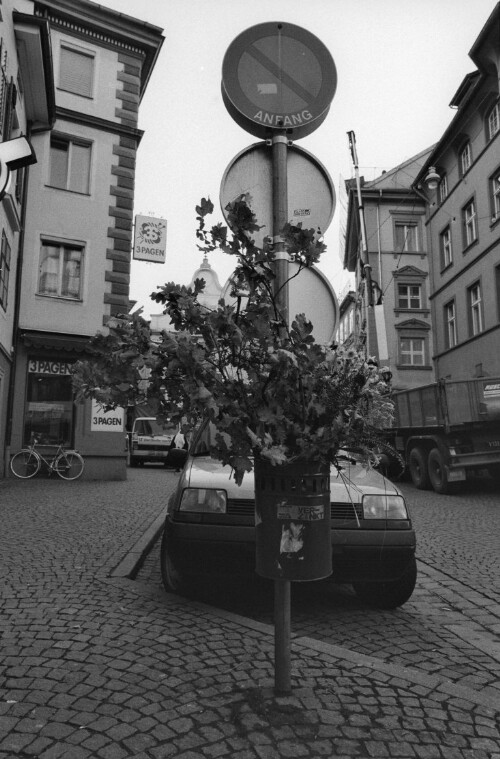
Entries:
{"x":76,"y":72}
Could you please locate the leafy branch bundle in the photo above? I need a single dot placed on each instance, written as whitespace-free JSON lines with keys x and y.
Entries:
{"x":269,"y":387}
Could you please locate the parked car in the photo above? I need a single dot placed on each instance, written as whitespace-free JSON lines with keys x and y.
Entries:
{"x":151,"y":440}
{"x":210,"y":528}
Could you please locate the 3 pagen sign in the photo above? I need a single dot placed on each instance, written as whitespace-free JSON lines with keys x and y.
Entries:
{"x":106,"y":421}
{"x":150,"y":239}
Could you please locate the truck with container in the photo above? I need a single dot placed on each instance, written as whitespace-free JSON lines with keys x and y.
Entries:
{"x":448,"y":431}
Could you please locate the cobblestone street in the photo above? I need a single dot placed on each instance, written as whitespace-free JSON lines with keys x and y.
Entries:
{"x":94,"y":664}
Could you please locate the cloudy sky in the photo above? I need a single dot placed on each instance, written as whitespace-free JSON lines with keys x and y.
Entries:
{"x":399,"y":63}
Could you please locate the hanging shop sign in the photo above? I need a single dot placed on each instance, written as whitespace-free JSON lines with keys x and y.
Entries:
{"x":106,"y":421}
{"x":150,"y":239}
{"x":278,"y":76}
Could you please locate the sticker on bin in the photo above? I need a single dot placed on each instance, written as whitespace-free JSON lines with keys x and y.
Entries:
{"x":302,"y":513}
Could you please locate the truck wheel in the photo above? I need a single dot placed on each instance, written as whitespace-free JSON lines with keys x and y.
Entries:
{"x":133,"y":461}
{"x":417,"y":464}
{"x":388,"y":595}
{"x":437,"y":473}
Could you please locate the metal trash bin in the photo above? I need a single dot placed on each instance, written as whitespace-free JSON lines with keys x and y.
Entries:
{"x":292,"y":520}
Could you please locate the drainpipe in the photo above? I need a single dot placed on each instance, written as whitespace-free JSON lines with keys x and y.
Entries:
{"x":17,"y":307}
{"x":379,"y":245}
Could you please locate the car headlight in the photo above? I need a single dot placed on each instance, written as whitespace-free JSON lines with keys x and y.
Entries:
{"x":203,"y":499}
{"x":384,"y":507}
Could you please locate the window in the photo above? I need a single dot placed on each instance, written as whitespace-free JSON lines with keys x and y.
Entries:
{"x":494,"y":121}
{"x":469,"y":222}
{"x":443,"y":188}
{"x":495,"y":195}
{"x":450,"y":323}
{"x":475,"y":309}
{"x":409,"y":296}
{"x":4,"y":271}
{"x":465,"y":158}
{"x":406,"y":236}
{"x":411,"y":350}
{"x":60,"y":271}
{"x":76,"y":71}
{"x":446,"y":249}
{"x":69,"y":164}
{"x":8,"y":100}
{"x":497,"y":285}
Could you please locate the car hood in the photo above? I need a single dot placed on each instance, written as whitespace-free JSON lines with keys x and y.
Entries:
{"x":348,"y":484}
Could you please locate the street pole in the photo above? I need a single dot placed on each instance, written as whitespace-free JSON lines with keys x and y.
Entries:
{"x":282,"y":588}
{"x":365,"y":259}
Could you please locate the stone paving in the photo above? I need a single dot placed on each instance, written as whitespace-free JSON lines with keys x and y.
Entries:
{"x":94,"y":665}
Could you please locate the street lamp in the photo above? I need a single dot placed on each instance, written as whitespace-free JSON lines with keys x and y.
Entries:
{"x":432,"y":178}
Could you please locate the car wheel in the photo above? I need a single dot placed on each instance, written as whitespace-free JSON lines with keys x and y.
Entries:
{"x":388,"y":595}
{"x":418,"y":468}
{"x":173,"y":580}
{"x":437,"y":473}
{"x":494,"y":472}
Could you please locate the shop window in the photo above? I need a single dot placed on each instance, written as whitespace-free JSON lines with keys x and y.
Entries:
{"x":69,"y":164}
{"x":4,"y":271}
{"x":76,"y":71}
{"x":412,"y":351}
{"x":450,"y":324}
{"x":446,"y":249}
{"x":49,"y":403}
{"x":60,"y":274}
{"x":409,"y":296}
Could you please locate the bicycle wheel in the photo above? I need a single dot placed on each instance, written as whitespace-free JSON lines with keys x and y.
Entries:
{"x":69,"y":465}
{"x":25,"y":464}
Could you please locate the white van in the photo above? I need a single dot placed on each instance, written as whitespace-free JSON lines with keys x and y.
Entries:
{"x":150,"y":440}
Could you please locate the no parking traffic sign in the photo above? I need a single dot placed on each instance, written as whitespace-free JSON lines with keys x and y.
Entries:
{"x":278,"y":76}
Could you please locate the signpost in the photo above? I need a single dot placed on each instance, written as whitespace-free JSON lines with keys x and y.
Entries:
{"x":278,"y":81}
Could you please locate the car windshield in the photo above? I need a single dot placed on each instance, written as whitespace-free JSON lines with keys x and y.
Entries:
{"x":154,"y":428}
{"x":204,"y":437}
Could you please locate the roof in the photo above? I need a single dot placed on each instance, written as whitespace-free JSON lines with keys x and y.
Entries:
{"x":401,"y":176}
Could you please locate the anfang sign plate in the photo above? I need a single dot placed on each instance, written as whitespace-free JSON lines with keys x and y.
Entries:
{"x":278,"y":76}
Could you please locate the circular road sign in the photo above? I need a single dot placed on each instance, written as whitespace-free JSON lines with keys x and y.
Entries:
{"x":310,"y":293}
{"x":278,"y":76}
{"x":311,"y":194}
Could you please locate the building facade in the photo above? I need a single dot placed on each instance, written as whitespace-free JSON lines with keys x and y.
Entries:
{"x":461,"y":181}
{"x":77,"y":237}
{"x":27,"y":107}
{"x":396,"y":327}
{"x":433,"y":232}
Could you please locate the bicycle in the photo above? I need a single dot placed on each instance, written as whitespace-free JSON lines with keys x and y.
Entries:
{"x":68,"y":464}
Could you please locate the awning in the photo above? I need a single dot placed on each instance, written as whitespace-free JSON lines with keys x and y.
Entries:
{"x":56,"y":342}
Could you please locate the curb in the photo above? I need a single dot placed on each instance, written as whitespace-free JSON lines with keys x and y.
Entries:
{"x":134,"y":559}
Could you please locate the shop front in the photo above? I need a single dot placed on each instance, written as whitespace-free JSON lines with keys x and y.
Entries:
{"x":45,"y":408}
